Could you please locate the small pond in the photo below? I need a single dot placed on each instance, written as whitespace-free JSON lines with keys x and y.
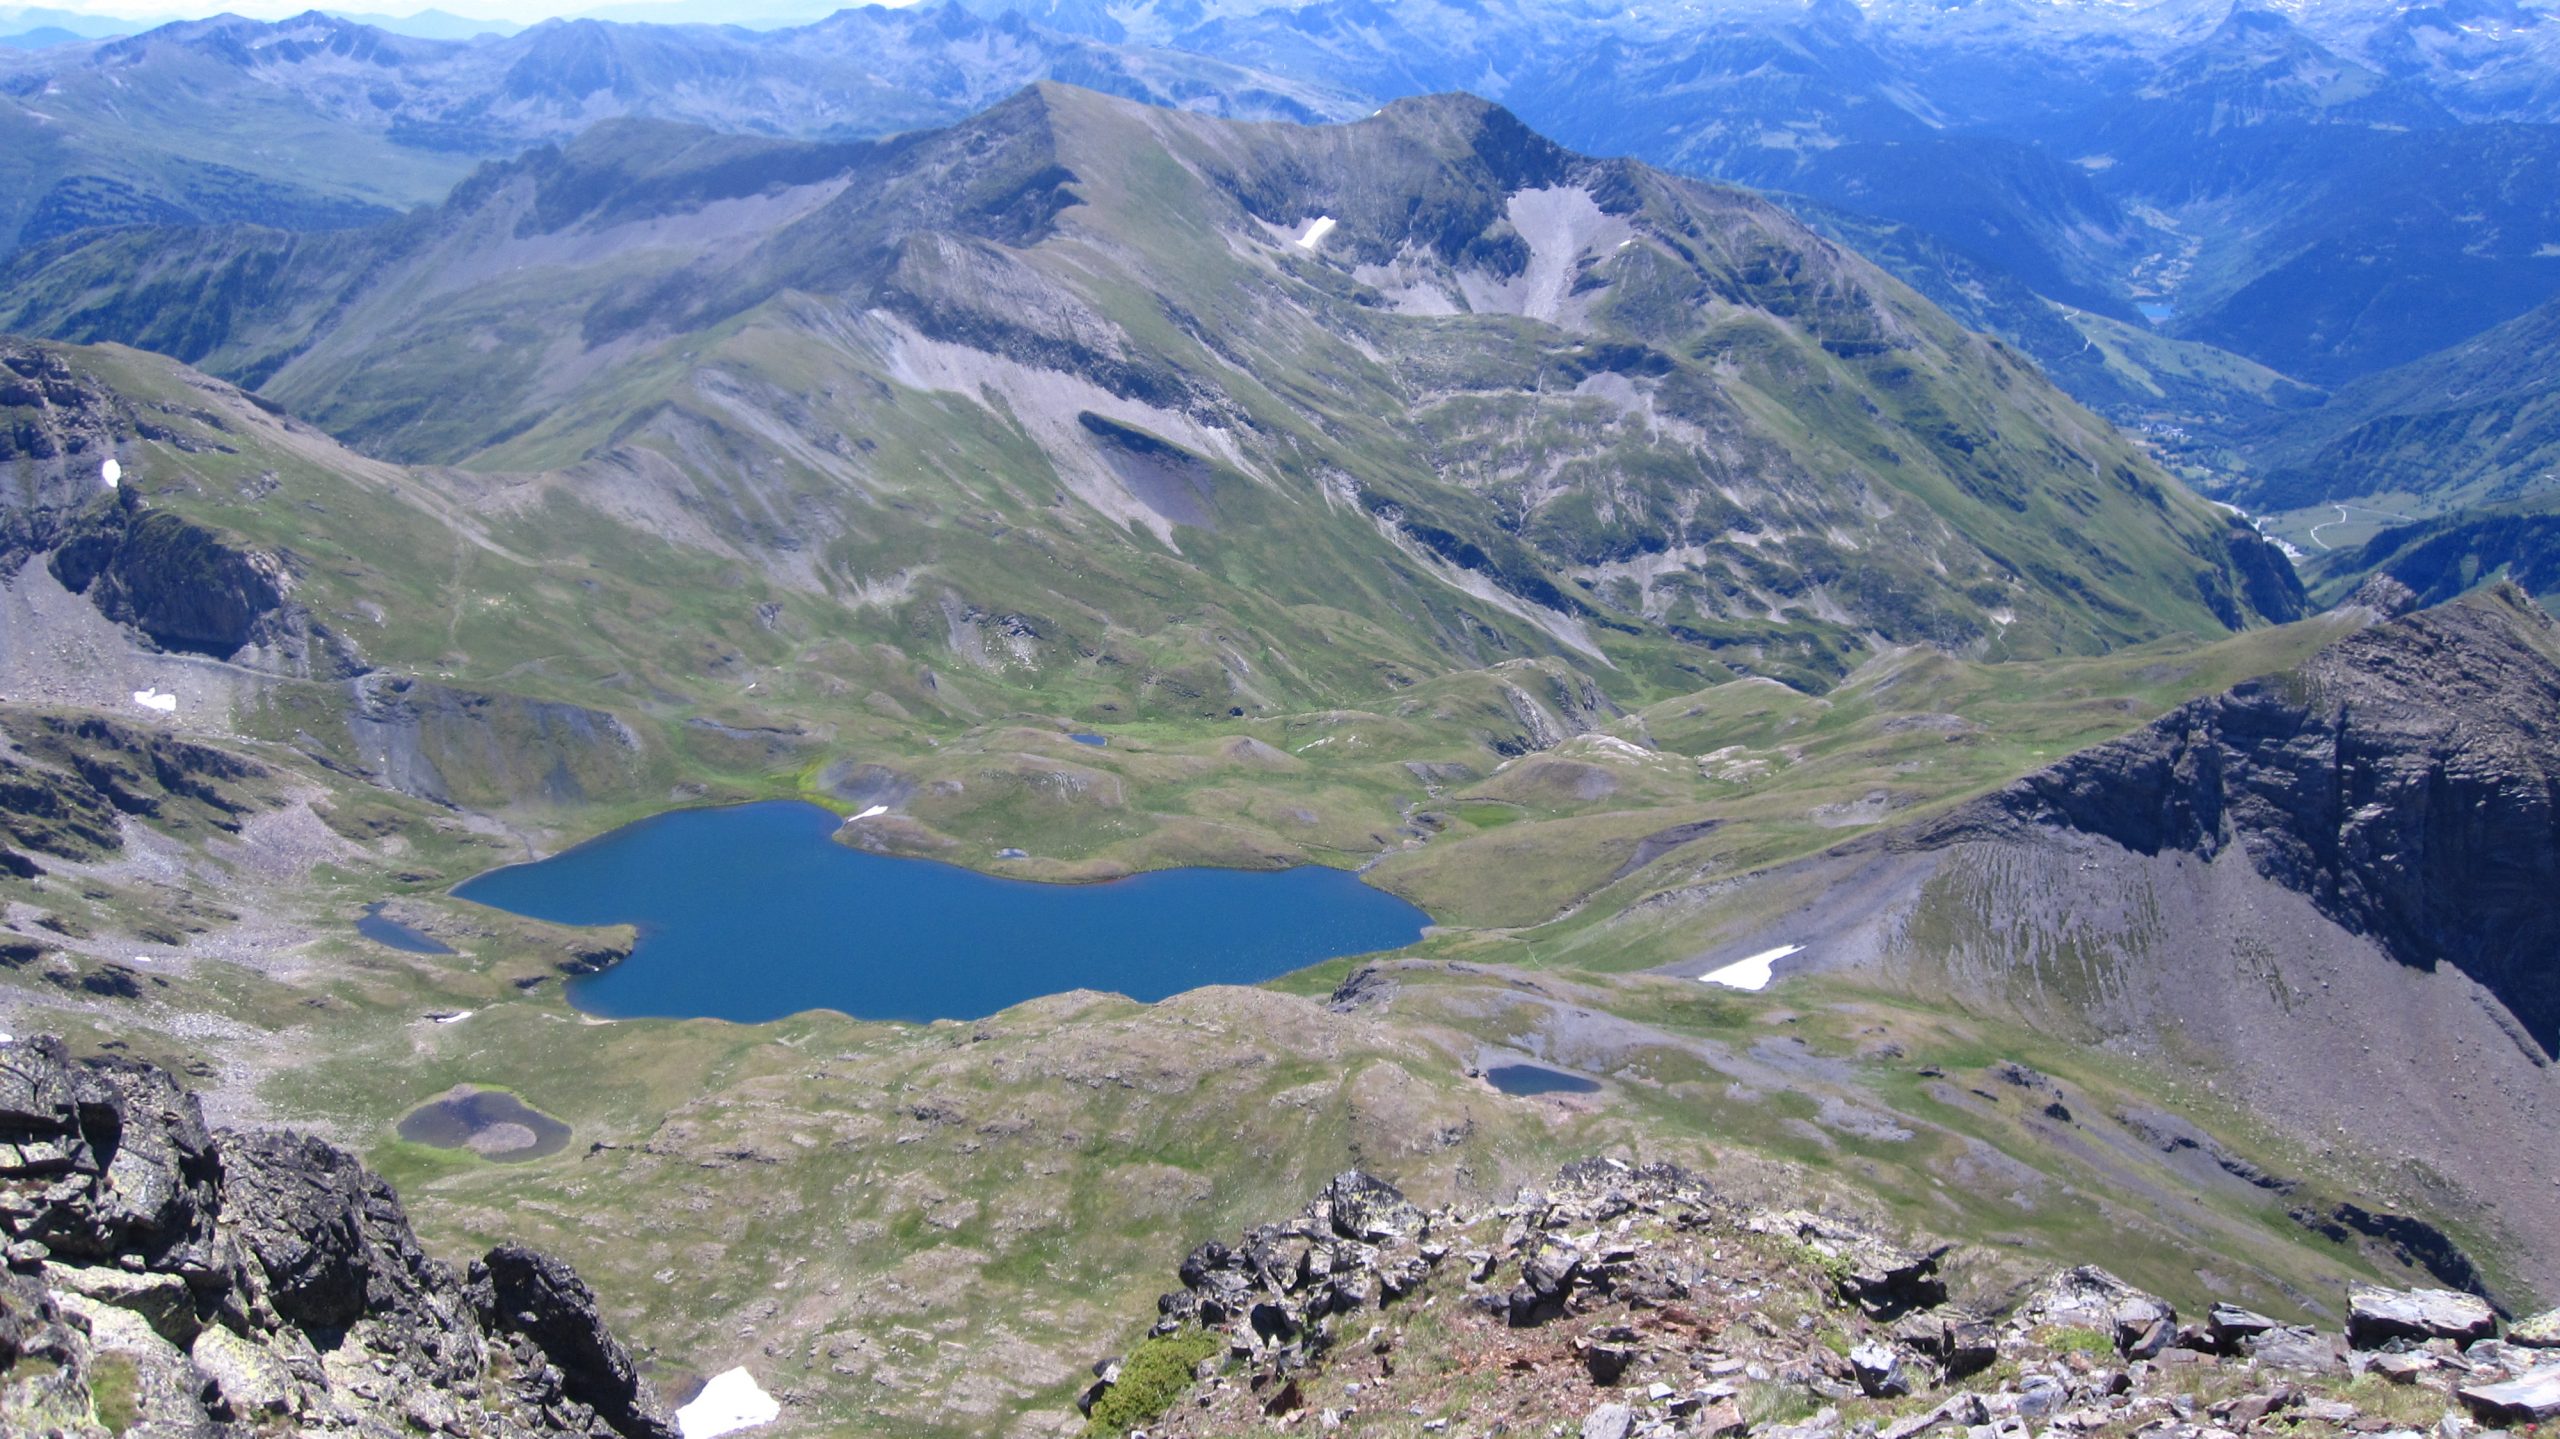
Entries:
{"x":488,"y":1122}
{"x":381,"y":928}
{"x":754,"y":912}
{"x":1538,"y":1079}
{"x":1095,"y":740}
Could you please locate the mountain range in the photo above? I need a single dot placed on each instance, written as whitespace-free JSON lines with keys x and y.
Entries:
{"x":1588,"y":408}
{"x":2196,"y":218}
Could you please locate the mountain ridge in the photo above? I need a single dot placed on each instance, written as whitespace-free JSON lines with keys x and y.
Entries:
{"x":1603,"y":297}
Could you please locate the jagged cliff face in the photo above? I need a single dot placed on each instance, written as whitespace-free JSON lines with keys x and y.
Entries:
{"x":169,"y":1279}
{"x":2328,"y":888}
{"x":2406,"y":782}
{"x":182,"y":585}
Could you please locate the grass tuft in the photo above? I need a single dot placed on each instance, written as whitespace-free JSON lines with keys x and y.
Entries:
{"x":1151,"y":1379}
{"x":115,"y":1390}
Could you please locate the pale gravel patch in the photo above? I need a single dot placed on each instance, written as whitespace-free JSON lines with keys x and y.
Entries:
{"x":1561,"y":224}
{"x":1045,"y":403}
{"x":56,"y":649}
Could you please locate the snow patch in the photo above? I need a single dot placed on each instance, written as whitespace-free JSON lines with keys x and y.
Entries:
{"x":1751,"y":973}
{"x":452,"y":1018}
{"x":877,"y":809}
{"x":729,"y":1403}
{"x":112,"y":473}
{"x":152,"y":699}
{"x":1321,"y":227}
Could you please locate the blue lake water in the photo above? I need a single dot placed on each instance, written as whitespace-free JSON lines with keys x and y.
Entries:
{"x":754,"y":912}
{"x":381,"y":928}
{"x":1538,"y":1079}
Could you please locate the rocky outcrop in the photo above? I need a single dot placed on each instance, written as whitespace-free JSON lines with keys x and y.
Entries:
{"x":485,"y":747}
{"x":177,"y":582}
{"x":51,"y":416}
{"x":1635,"y":1302}
{"x":181,"y":585}
{"x":2406,"y":780}
{"x":164,"y":1278}
{"x":74,"y":778}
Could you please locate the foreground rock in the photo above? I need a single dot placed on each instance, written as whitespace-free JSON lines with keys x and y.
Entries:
{"x":2377,"y":1316}
{"x":165,"y":1280}
{"x":1636,"y":1303}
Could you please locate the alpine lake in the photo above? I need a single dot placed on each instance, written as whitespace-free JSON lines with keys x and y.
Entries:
{"x":753,"y":912}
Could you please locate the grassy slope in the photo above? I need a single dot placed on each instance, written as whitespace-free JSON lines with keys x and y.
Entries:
{"x":1814,"y":401}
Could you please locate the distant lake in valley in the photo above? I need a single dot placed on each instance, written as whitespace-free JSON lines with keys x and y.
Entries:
{"x":1538,"y":1079}
{"x":381,"y":928}
{"x":753,"y":912}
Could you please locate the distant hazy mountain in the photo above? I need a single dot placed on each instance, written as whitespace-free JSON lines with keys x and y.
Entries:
{"x":318,"y":122}
{"x":2478,"y":422}
{"x":20,"y":19}
{"x":2462,"y":445}
{"x":431,"y":24}
{"x":2324,"y":189}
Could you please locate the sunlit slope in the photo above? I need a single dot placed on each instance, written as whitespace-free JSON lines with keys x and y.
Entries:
{"x":1510,"y":400}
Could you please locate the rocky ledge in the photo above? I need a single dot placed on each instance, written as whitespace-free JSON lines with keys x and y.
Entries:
{"x":166,"y":1280}
{"x":1636,"y":1303}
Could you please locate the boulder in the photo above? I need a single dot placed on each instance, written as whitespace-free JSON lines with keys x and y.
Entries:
{"x":1720,"y":1420}
{"x":1971,"y":1347}
{"x":1091,"y":1396}
{"x":2377,"y":1316}
{"x":2142,"y":1326}
{"x":1883,"y":1279}
{"x":2228,"y":1324}
{"x":2295,"y":1347}
{"x":162,"y":1301}
{"x":2091,"y":1298}
{"x":2542,"y":1331}
{"x":2400,"y":1368}
{"x":328,"y":1236}
{"x":133,"y":1150}
{"x":2248,"y":1409}
{"x":1370,"y":1210}
{"x":1606,"y":1357}
{"x":1609,"y":1421}
{"x":1547,"y":1276}
{"x":2040,"y":1397}
{"x":221,"y":1267}
{"x":2529,"y":1400}
{"x":1879,"y":1371}
{"x":249,"y":1382}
